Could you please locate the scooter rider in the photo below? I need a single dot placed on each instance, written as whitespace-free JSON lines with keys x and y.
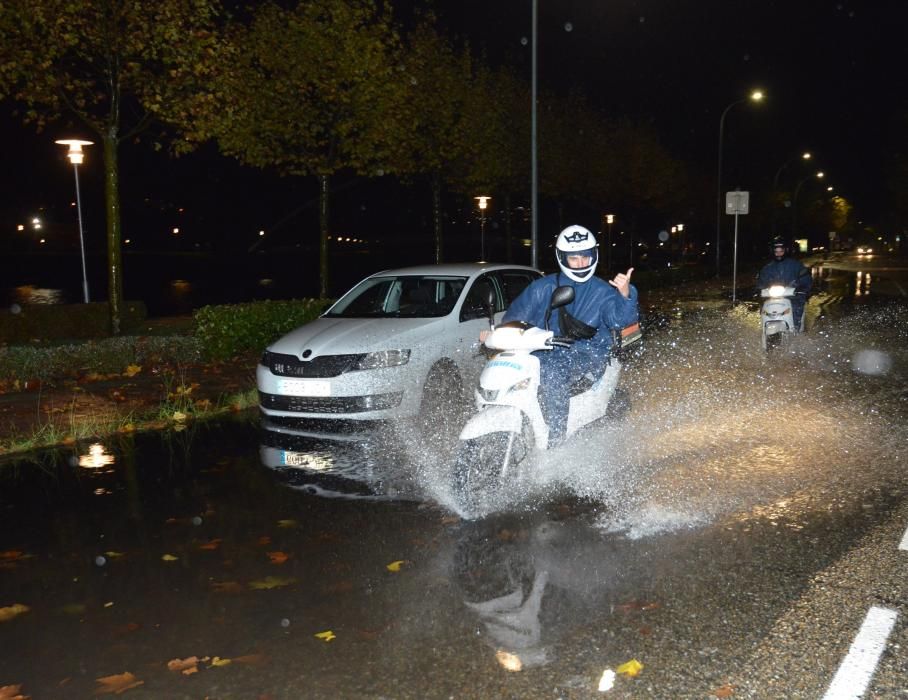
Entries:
{"x":789,"y":273}
{"x":598,"y":307}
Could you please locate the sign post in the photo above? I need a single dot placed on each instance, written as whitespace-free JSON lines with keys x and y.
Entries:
{"x":736,"y":203}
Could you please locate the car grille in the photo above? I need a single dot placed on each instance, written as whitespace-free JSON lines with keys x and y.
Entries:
{"x":322,"y":366}
{"x":330,"y":404}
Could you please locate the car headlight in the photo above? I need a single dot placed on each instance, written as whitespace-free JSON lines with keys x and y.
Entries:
{"x":383,"y":358}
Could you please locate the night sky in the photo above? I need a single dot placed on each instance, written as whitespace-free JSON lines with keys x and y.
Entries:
{"x":833,"y":72}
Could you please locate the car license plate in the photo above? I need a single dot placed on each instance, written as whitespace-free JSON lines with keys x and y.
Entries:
{"x":296,"y":459}
{"x":304,"y":387}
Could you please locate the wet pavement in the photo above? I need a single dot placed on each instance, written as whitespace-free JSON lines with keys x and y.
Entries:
{"x":728,"y":534}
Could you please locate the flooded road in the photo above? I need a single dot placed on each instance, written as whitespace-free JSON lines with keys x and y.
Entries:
{"x":728,"y":536}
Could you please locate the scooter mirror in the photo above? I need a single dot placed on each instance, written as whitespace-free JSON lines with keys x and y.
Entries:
{"x":490,"y":305}
{"x":562,"y":296}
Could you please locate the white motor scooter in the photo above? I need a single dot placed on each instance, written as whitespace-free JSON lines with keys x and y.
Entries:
{"x":508,"y":426}
{"x":776,"y":317}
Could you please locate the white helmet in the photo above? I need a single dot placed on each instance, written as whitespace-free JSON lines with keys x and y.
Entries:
{"x":576,"y":240}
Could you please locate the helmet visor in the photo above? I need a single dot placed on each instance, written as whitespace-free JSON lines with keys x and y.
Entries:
{"x":578,"y":260}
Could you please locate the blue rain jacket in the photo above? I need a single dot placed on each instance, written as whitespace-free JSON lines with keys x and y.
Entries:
{"x":788,"y":272}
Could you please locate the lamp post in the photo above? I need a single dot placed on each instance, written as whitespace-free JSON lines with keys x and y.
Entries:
{"x":483,"y":201}
{"x":76,"y":157}
{"x":819,"y":175}
{"x":609,"y":220}
{"x":775,"y":184}
{"x":755,"y":96}
{"x":534,"y":165}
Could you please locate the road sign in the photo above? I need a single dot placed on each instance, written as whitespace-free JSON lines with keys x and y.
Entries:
{"x":737,"y":202}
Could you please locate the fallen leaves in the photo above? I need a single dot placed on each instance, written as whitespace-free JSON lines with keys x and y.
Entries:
{"x":211,"y":545}
{"x":117,"y":684}
{"x":186,"y":666}
{"x":277,"y":557}
{"x":270,"y":582}
{"x":132,"y":370}
{"x":725,"y":691}
{"x":631,"y":668}
{"x":326,"y":636}
{"x":13,"y":611}
{"x":11,"y":692}
{"x":394,"y":566}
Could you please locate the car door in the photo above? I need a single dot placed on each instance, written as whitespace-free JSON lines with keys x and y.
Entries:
{"x":506,"y":285}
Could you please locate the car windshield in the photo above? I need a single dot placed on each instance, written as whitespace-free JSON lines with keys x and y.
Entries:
{"x":404,"y":296}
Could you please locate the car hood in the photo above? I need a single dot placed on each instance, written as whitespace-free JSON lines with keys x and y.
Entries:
{"x":342,"y":336}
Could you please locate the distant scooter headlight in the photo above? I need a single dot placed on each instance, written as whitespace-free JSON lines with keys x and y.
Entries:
{"x":383,"y":358}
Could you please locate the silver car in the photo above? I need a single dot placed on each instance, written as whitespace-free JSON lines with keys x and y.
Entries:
{"x":401,"y":343}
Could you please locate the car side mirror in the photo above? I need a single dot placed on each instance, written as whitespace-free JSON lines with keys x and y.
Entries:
{"x":490,"y":305}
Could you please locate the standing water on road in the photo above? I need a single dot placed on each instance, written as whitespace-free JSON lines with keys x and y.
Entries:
{"x":229,"y":562}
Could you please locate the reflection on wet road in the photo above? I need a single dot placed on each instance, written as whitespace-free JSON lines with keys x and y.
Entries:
{"x":230,"y":562}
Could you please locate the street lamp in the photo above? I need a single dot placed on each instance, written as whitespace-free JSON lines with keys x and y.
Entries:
{"x":76,"y":157}
{"x":483,"y":201}
{"x":755,"y":96}
{"x":775,"y":184}
{"x":819,"y":175}
{"x":609,"y":220}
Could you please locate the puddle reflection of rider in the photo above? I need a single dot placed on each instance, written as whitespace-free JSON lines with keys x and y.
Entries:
{"x":501,"y":585}
{"x":598,"y":308}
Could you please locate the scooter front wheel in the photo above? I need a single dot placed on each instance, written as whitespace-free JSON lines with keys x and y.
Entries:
{"x":484,"y":465}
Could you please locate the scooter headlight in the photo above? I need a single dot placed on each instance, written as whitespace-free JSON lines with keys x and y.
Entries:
{"x":777,"y":290}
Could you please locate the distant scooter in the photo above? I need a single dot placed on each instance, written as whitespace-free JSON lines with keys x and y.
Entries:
{"x":508,"y":426}
{"x":776,"y":317}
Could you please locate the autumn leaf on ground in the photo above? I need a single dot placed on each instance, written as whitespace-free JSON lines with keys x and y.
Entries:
{"x":179,"y":416}
{"x":185,"y":666}
{"x":271,"y":582}
{"x":226,"y":587}
{"x":277,"y":557}
{"x":117,"y":684}
{"x":212,"y":544}
{"x":264,"y":540}
{"x":113,"y":555}
{"x":326,"y":636}
{"x":12,"y":611}
{"x":395,"y":565}
{"x":726,"y":691}
{"x":286,"y":523}
{"x":508,"y":661}
{"x":217,"y":661}
{"x":132,"y":370}
{"x":11,"y":692}
{"x":170,"y":557}
{"x":631,"y":669}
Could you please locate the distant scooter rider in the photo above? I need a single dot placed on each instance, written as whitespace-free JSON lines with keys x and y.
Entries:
{"x":596,"y":310}
{"x":789,"y":273}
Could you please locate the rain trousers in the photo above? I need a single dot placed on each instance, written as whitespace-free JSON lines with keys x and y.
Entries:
{"x":597,"y":304}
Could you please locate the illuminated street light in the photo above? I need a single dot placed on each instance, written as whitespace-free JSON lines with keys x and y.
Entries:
{"x":483,"y":203}
{"x":755,"y":96}
{"x":609,"y":220}
{"x":76,"y":156}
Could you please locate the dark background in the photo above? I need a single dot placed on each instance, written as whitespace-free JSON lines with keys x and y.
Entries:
{"x":833,"y":72}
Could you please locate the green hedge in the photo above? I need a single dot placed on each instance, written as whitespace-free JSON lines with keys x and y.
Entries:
{"x":111,"y":355}
{"x":63,"y":321}
{"x":230,"y":329}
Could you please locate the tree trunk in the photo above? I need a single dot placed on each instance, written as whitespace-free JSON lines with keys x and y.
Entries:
{"x":114,"y":234}
{"x":323,"y":183}
{"x":436,"y":217}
